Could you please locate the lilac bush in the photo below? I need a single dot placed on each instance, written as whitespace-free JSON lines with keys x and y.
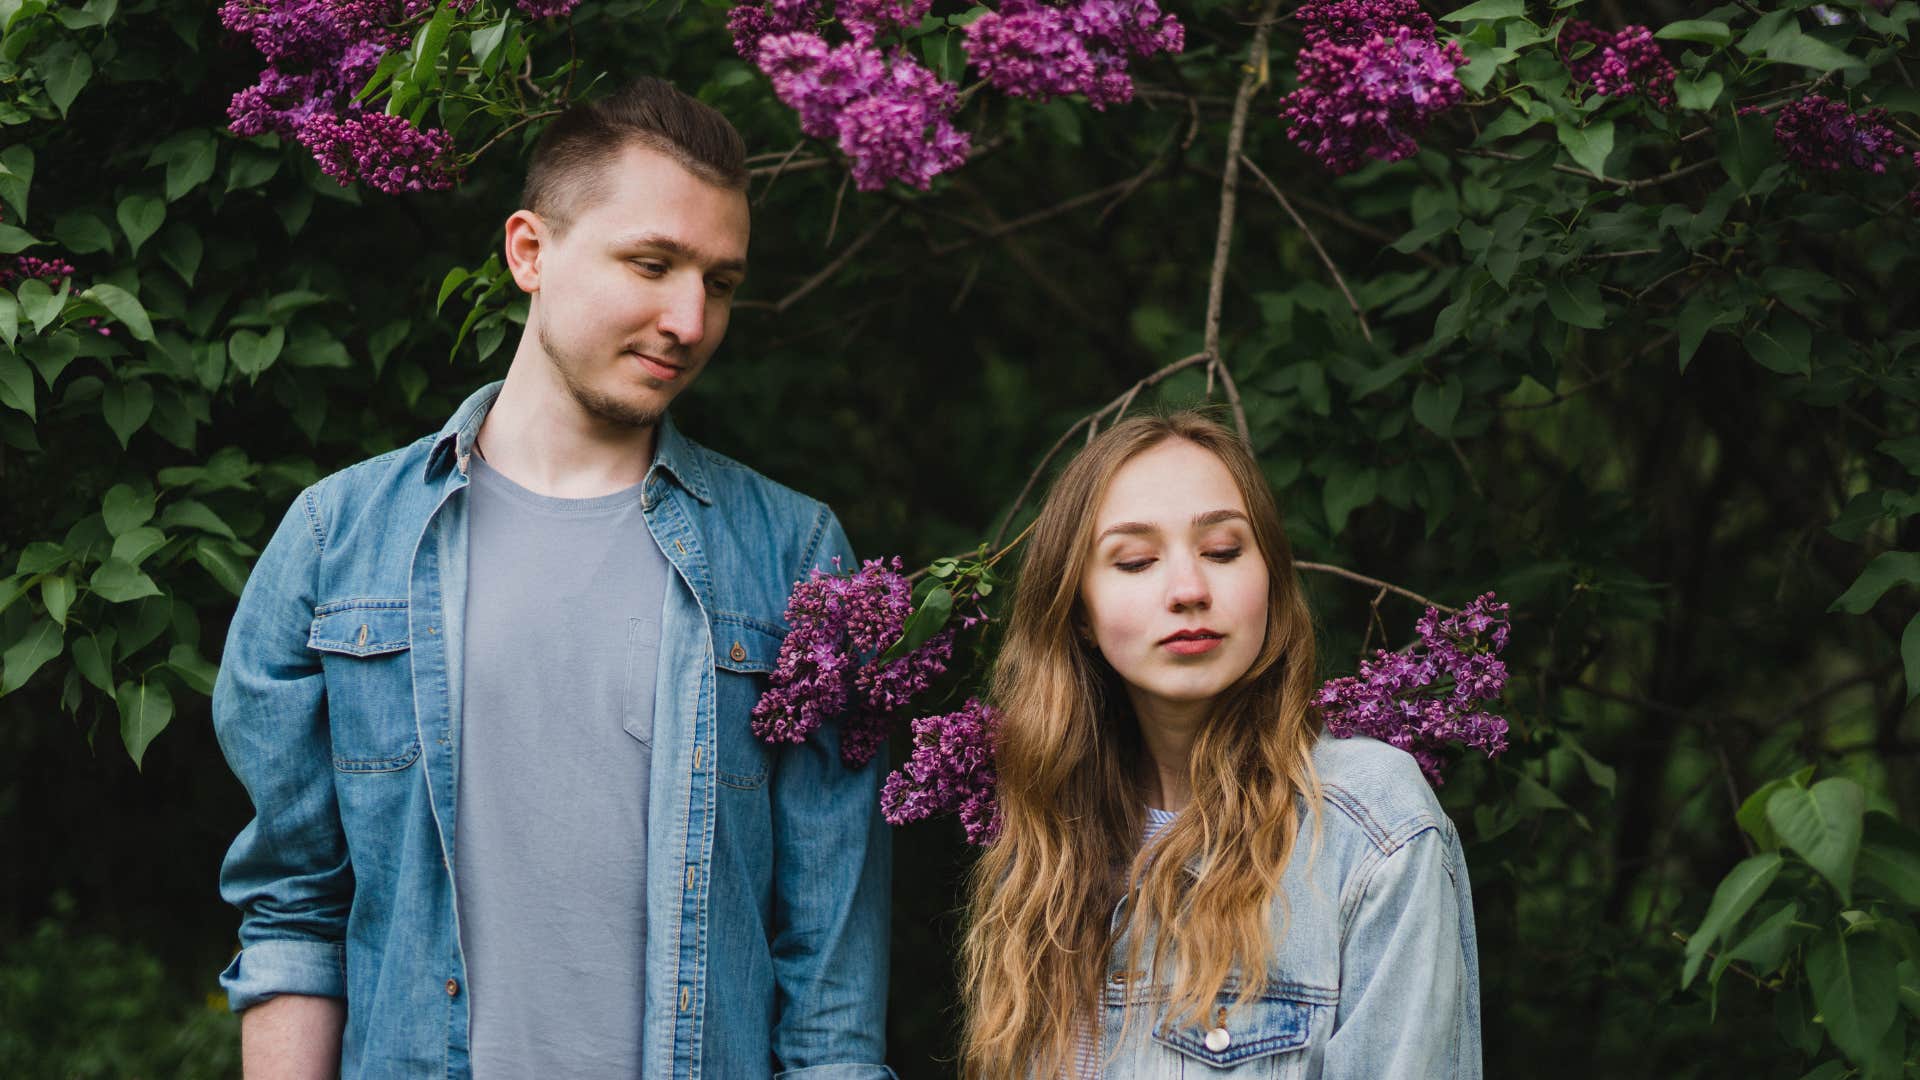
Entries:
{"x":1433,"y":693}
{"x":950,"y":771}
{"x":1620,"y":64}
{"x":1820,"y":134}
{"x":831,"y":665}
{"x":1373,"y":75}
{"x":1041,"y":51}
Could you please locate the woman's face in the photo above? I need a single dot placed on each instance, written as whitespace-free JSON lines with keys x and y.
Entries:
{"x":1175,"y":590}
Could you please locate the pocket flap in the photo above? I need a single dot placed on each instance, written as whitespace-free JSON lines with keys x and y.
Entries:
{"x":1259,"y":1028}
{"x":360,"y":627}
{"x":741,"y":644}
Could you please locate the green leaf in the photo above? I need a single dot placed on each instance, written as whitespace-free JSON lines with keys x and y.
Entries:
{"x":1790,"y":46}
{"x":1910,"y":658}
{"x":1702,"y":314}
{"x":1745,"y":147}
{"x":455,"y":278}
{"x":145,"y":709}
{"x":927,"y":620}
{"x":39,"y":303}
{"x":1589,"y":146}
{"x":41,"y":643}
{"x":194,"y":514}
{"x":66,"y":75}
{"x":9,"y":319}
{"x":1854,"y":987}
{"x":42,"y":556}
{"x":1890,"y":855}
{"x":1698,"y":92}
{"x":1736,"y":893}
{"x":16,"y":178}
{"x":182,"y":248}
{"x":57,"y":593}
{"x":135,"y":545}
{"x":253,"y":353}
{"x":118,"y":581}
{"x":1822,"y":825}
{"x":1433,"y":224}
{"x":1764,"y":948}
{"x":220,"y":563}
{"x":1602,"y":774}
{"x":91,"y":658}
{"x":140,"y":216}
{"x":1436,"y":404}
{"x":125,"y":307}
{"x":189,"y":157}
{"x":1576,"y":302}
{"x":16,"y":384}
{"x":1784,"y":345}
{"x":1888,"y":569}
{"x":126,"y":407}
{"x":1486,"y":9}
{"x":1705,"y":31}
{"x":13,"y":239}
{"x":427,"y":47}
{"x":484,"y":42}
{"x":82,"y":232}
{"x":125,"y":509}
{"x":192,"y":668}
{"x":1347,"y":490}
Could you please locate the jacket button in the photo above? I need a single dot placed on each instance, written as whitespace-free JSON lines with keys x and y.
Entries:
{"x":453,"y":987}
{"x":738,"y":652}
{"x":1218,"y":1039}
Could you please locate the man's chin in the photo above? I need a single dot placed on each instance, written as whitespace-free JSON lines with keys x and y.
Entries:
{"x":625,"y":410}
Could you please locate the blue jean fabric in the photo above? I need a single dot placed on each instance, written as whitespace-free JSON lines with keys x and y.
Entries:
{"x":338,"y":706}
{"x":1374,"y":973}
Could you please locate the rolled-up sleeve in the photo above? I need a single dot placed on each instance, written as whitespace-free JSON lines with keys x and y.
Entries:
{"x":832,"y":863}
{"x":1409,"y":978}
{"x":288,"y":871}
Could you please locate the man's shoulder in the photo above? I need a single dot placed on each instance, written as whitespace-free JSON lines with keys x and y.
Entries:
{"x":734,"y":483}
{"x":377,"y":479}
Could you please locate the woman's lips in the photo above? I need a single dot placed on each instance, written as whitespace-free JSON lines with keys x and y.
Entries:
{"x":1192,"y":645}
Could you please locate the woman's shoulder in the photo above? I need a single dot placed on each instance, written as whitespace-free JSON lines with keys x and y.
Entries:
{"x":1377,"y":790}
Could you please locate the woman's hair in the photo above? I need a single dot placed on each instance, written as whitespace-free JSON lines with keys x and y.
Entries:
{"x":1069,"y":758}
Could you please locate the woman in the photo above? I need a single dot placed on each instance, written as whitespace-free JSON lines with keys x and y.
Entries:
{"x":1190,"y":880}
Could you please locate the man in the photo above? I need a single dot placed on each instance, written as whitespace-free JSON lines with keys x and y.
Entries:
{"x":489,"y":694}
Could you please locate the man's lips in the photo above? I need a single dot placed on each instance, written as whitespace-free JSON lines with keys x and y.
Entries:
{"x":658,"y":367}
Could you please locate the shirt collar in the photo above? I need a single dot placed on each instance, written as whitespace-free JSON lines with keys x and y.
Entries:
{"x":673,"y":453}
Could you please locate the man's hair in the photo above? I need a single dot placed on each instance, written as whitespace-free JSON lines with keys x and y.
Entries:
{"x":570,"y":160}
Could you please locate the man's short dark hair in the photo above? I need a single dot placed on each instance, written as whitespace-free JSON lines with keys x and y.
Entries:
{"x":571,"y":157}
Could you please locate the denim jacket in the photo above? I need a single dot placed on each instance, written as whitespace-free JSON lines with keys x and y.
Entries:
{"x":338,"y":706}
{"x":1373,"y":975}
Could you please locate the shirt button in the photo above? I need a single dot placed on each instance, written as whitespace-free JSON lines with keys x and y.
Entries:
{"x":453,"y":987}
{"x":1218,"y":1039}
{"x":738,"y":652}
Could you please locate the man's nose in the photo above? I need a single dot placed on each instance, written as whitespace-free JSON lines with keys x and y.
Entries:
{"x":684,"y":318}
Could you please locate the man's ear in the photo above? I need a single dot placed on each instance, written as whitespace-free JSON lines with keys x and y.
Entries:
{"x":527,"y":235}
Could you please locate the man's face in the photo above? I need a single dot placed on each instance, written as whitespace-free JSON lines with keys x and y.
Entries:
{"x":633,"y":295}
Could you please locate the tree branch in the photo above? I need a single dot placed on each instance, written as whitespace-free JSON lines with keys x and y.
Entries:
{"x":779,"y":307}
{"x":1325,"y":259}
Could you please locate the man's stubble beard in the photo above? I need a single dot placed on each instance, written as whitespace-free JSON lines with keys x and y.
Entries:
{"x":600,"y":406}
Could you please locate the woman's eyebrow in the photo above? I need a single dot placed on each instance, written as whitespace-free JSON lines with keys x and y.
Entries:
{"x":1140,"y":528}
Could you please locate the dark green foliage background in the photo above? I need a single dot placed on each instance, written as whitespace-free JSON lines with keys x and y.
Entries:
{"x":1671,"y":526}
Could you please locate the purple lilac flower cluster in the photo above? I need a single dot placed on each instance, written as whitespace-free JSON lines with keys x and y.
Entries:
{"x":1373,"y":75}
{"x":1820,"y":134}
{"x":23,"y":267}
{"x":1036,"y":50}
{"x":319,"y":54}
{"x":949,"y":772}
{"x":830,"y":665}
{"x":1432,"y":694}
{"x":890,"y":116}
{"x":1620,"y":65}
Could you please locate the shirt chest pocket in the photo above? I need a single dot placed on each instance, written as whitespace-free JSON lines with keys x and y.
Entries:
{"x":364,"y":648}
{"x":1267,"y":1038}
{"x":744,"y":653}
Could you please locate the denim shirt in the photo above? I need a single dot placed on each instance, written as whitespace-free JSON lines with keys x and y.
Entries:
{"x":1374,"y":974}
{"x":338,"y":706}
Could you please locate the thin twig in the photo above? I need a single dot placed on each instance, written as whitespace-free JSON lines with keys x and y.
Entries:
{"x":1351,"y":575}
{"x":1119,"y":402}
{"x":996,"y":231}
{"x":1256,"y":77}
{"x":780,"y":306}
{"x":1233,"y":399}
{"x":510,"y":129}
{"x":1325,"y":259}
{"x":839,"y":198}
{"x":777,"y":170}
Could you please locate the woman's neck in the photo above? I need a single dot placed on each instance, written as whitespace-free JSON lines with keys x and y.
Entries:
{"x":1167,"y":732}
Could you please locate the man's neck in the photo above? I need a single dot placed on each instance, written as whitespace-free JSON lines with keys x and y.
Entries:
{"x":539,"y":437}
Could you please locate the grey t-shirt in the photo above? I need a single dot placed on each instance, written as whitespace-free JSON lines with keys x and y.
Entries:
{"x":550,"y":849}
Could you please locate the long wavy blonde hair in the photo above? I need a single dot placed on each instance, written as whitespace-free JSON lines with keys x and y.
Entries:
{"x":1070,"y":761}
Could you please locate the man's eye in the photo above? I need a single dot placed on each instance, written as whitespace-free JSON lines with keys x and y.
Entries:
{"x":1224,"y":554}
{"x":1133,"y":566}
{"x":720,"y":287}
{"x":650,"y":267}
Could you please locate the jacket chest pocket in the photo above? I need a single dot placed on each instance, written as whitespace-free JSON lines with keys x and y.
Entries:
{"x":1266,"y":1038}
{"x":744,"y":652}
{"x":364,"y":652}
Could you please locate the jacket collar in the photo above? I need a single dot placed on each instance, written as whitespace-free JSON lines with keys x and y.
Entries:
{"x":673,"y":453}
